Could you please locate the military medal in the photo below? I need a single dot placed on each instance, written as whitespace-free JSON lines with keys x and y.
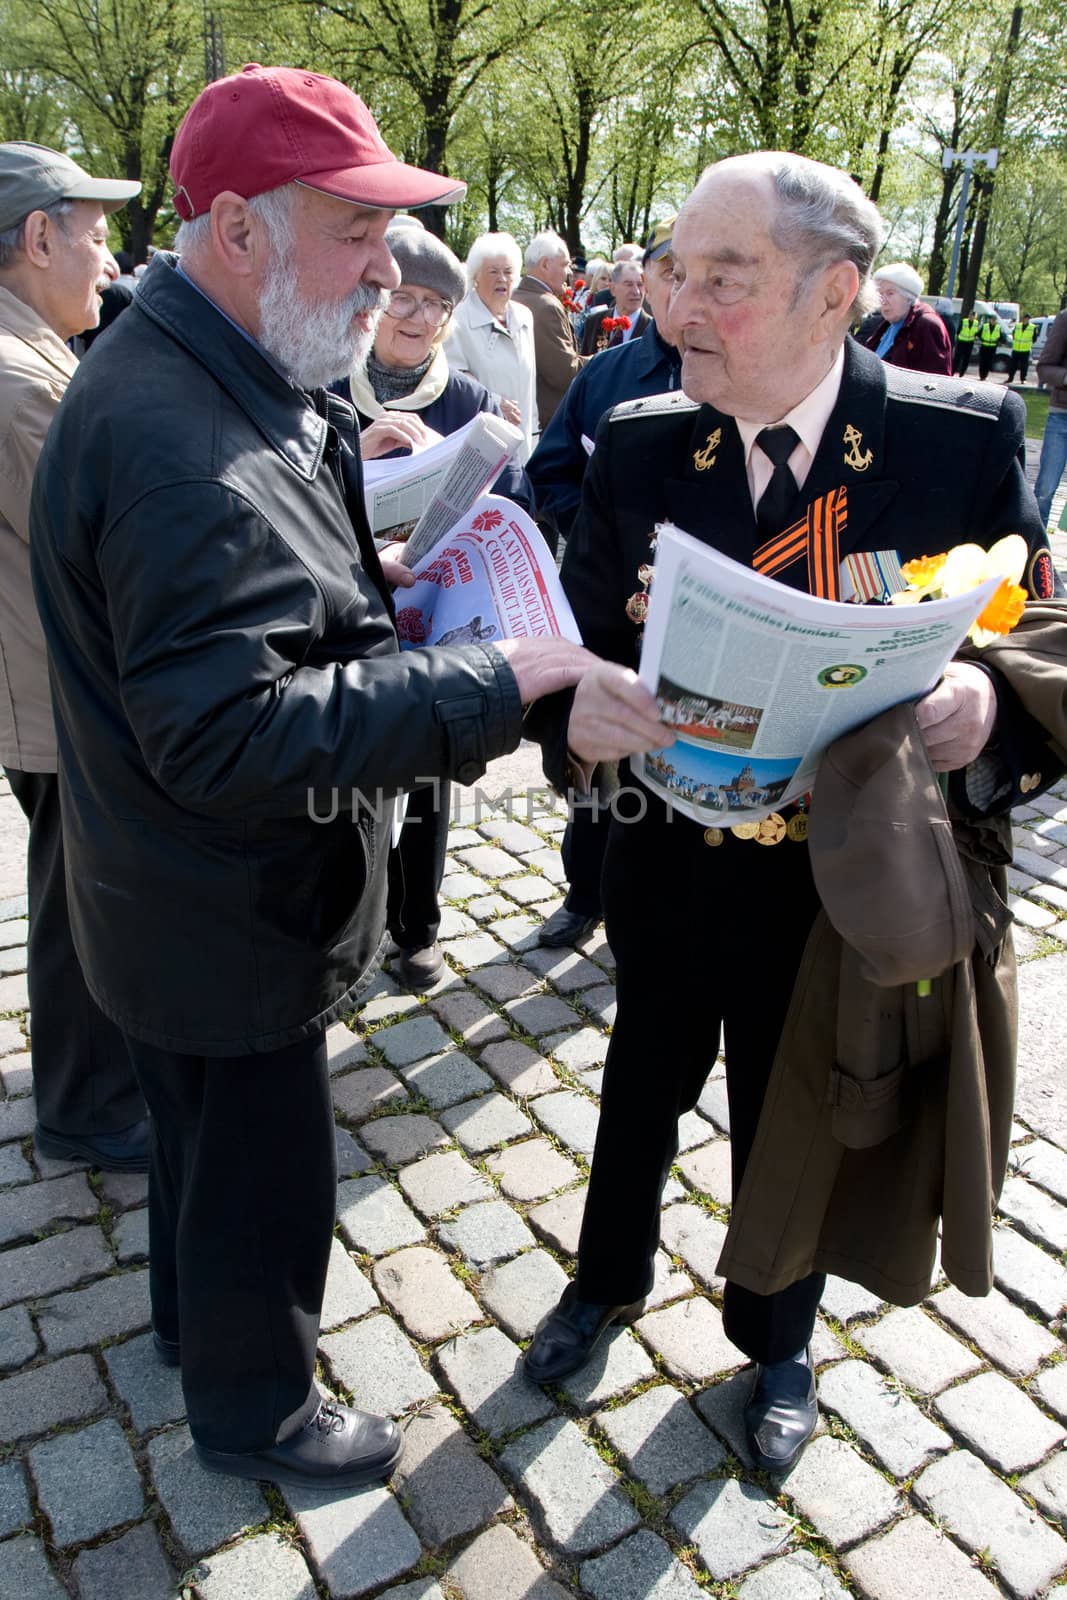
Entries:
{"x":797,"y":827}
{"x":745,"y":830}
{"x":713,"y":836}
{"x":771,"y":830}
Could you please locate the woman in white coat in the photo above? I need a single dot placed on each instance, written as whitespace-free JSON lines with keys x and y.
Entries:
{"x":492,"y":338}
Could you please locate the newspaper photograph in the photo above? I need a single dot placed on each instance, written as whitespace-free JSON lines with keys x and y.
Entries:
{"x":417,"y":497}
{"x":491,"y":577}
{"x":756,"y":679}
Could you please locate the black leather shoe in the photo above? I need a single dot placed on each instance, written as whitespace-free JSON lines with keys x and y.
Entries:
{"x":565,"y":927}
{"x":337,"y":1448}
{"x":169,"y":1351}
{"x":419,"y":969}
{"x":781,"y":1413}
{"x":126,"y":1151}
{"x":566,"y":1338}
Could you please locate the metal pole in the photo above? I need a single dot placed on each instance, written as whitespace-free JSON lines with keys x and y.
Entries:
{"x":958,"y":240}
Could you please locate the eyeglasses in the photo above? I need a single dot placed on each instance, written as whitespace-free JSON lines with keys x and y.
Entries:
{"x":403,"y":305}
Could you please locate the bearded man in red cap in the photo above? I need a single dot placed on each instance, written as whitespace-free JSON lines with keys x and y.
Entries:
{"x":234,"y":718}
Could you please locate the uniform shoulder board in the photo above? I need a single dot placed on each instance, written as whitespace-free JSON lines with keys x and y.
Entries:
{"x":654,"y":405}
{"x":948,"y":394}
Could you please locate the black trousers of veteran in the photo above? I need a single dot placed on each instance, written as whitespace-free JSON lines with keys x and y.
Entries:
{"x":704,"y":936}
{"x":242,"y":1192}
{"x":83,"y":1080}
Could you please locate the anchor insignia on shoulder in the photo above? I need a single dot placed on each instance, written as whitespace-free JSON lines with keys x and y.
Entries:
{"x":853,"y":458}
{"x":703,"y":459}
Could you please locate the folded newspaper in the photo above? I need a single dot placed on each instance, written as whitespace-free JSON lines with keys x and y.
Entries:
{"x":418,"y":497}
{"x":757,"y":679}
{"x":491,"y":577}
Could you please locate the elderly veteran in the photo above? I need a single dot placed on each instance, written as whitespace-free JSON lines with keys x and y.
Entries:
{"x":491,"y":336}
{"x":910,"y":333}
{"x":787,"y":433}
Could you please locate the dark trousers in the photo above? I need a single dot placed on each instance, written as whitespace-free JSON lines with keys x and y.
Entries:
{"x":83,"y":1081}
{"x":585,"y":843}
{"x":703,"y":938}
{"x":416,"y":868}
{"x":241,"y":1204}
{"x":986,"y":352}
{"x":1019,"y":363}
{"x":962,"y":358}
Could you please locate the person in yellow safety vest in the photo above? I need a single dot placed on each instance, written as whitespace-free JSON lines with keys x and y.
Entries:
{"x":988,"y":339}
{"x":965,"y":337}
{"x":1022,"y":342}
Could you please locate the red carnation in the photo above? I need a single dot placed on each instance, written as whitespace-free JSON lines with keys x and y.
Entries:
{"x":622,"y":322}
{"x":579,"y":283}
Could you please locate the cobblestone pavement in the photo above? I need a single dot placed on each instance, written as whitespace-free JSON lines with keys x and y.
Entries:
{"x":465,"y":1119}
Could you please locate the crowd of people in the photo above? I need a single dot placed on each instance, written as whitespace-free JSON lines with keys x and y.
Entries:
{"x":201,"y":663}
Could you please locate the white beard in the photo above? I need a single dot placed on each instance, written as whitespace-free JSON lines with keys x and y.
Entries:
{"x":314,"y":342}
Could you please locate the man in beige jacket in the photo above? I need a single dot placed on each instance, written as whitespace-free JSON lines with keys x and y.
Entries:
{"x":54,"y":261}
{"x":548,"y":264}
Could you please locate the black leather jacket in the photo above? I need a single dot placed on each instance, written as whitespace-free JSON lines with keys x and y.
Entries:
{"x":229,"y":695}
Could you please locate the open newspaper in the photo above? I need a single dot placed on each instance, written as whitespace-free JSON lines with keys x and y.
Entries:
{"x":491,"y":577}
{"x":418,"y":497}
{"x":757,"y":679}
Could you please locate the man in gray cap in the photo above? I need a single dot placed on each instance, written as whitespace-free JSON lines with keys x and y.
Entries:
{"x":54,"y":262}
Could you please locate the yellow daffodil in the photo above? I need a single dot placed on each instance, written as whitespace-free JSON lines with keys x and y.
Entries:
{"x":963,"y":568}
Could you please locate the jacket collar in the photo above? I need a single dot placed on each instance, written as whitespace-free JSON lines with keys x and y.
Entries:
{"x":655,"y":352}
{"x":478,"y":314}
{"x":22,"y":322}
{"x":431,"y":386}
{"x":285,"y":415}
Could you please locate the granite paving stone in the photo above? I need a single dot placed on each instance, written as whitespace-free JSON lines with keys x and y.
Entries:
{"x":698,"y":1238}
{"x":64,"y":1259}
{"x":518,"y":1068}
{"x":617,"y":1365}
{"x":722,"y":1407}
{"x":351,"y":1156}
{"x":489,"y":862}
{"x":384,"y":1000}
{"x":797,"y":1576}
{"x":917,"y":1349}
{"x":483,"y":1368}
{"x":886,"y":1567}
{"x":87,"y":1482}
{"x":515,"y":837}
{"x":398,"y":1140}
{"x":14,"y":996}
{"x":890,"y":1424}
{"x":502,"y":981}
{"x":18,"y":1341}
{"x":374,"y":1218}
{"x":486,"y":1233}
{"x":661,"y":1440}
{"x":476,"y":951}
{"x":667,"y":1283}
{"x":548,"y":864}
{"x":24,"y":1571}
{"x":581,"y":1050}
{"x":714,"y":1104}
{"x":104,"y":1310}
{"x":481,"y":1125}
{"x":559,"y":1221}
{"x":825,"y":1346}
{"x":1048,"y":1486}
{"x":12,"y":1037}
{"x":1029,"y":1274}
{"x":574,"y":1493}
{"x":357,"y":1094}
{"x":732,"y":1524}
{"x":643,"y":1567}
{"x":694,"y":1131}
{"x":1001,"y":1330}
{"x":602,"y":1002}
{"x":467,"y":1014}
{"x":982,"y":1513}
{"x":205,"y":1509}
{"x":357,"y":1541}
{"x":446,"y":1488}
{"x":130,"y":1237}
{"x":531,"y":890}
{"x":348,"y":1293}
{"x":261,"y":1567}
{"x":378,"y":1366}
{"x":446,"y":1079}
{"x":489,"y":908}
{"x":1045,"y":1164}
{"x":430,"y":1301}
{"x":421,"y":1589}
{"x":707,"y":1168}
{"x":58,"y":1392}
{"x":411,"y":1040}
{"x":15,"y":1509}
{"x":519,"y":933}
{"x":843,"y":1300}
{"x":843,"y":1497}
{"x":344,"y":1049}
{"x":1050,"y":1387}
{"x":438,"y":1183}
{"x":14,"y":1168}
{"x":462,"y":885}
{"x":132,"y":1567}
{"x":689,"y":1338}
{"x":540,"y":1014}
{"x":499,"y":1566}
{"x":520,"y":1292}
{"x":455,"y":923}
{"x":571,"y":1117}
{"x":566,"y":970}
{"x":152,"y":1391}
{"x":16,"y":1073}
{"x":998,"y":1422}
{"x":532,"y":1169}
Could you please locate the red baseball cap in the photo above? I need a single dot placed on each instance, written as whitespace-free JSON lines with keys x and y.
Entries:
{"x":266,"y":126}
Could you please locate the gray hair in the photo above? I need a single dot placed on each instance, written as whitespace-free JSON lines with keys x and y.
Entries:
{"x":274,"y":208}
{"x":626,"y":252}
{"x":545,"y":245}
{"x":620,"y":267}
{"x":492,"y":244}
{"x":13,"y":239}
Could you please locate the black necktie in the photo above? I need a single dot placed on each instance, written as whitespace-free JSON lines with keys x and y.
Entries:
{"x":774,"y":504}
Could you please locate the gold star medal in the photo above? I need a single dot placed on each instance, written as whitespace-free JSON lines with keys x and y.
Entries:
{"x":771,"y":830}
{"x":745,"y":830}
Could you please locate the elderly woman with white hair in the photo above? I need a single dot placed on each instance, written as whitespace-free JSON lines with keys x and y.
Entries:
{"x":910,"y":334}
{"x":492,"y":338}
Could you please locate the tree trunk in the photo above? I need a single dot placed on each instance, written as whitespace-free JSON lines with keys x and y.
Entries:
{"x":984,"y":185}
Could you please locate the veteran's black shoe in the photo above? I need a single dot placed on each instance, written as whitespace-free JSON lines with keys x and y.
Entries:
{"x":419,"y":969}
{"x":781,"y":1413}
{"x":565,"y":927}
{"x":566,"y":1338}
{"x":126,"y":1151}
{"x":337,"y":1448}
{"x":169,"y":1351}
